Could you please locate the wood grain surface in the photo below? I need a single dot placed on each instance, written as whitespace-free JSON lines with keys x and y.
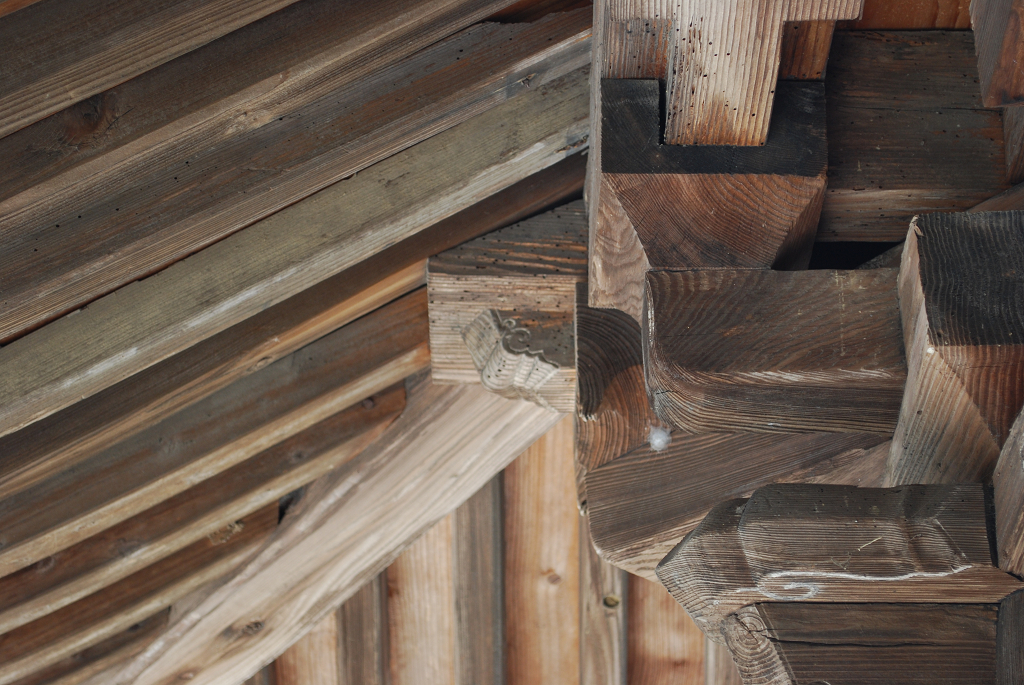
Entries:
{"x":447,"y":444}
{"x":363,"y":635}
{"x":542,"y":573}
{"x":604,"y":616}
{"x":278,"y":257}
{"x":803,"y":351}
{"x":1009,"y":633}
{"x":1008,"y":483}
{"x":901,"y":15}
{"x":960,"y":280}
{"x":665,"y":646}
{"x":313,"y":660}
{"x":1013,"y":143}
{"x":998,"y":41}
{"x":907,"y":133}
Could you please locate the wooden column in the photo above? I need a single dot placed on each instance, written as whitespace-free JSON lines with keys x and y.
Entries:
{"x":665,"y":646}
{"x":603,"y":616}
{"x":960,"y":291}
{"x":313,"y":660}
{"x":542,"y":596}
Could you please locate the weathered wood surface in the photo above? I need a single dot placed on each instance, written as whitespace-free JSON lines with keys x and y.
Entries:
{"x":645,"y":501}
{"x":665,"y":646}
{"x":447,"y":444}
{"x":478,"y":588}
{"x":363,"y":635}
{"x":59,"y":256}
{"x":1008,"y":483}
{"x":804,"y":50}
{"x":224,"y":430}
{"x":81,"y":667}
{"x":719,"y":666}
{"x":723,"y":65}
{"x":604,"y":616}
{"x":1009,"y":635}
{"x":243,"y":80}
{"x":907,"y":133}
{"x":421,"y":610}
{"x":313,"y":660}
{"x":820,"y":543}
{"x":112,"y":610}
{"x":883,"y":643}
{"x":112,"y":554}
{"x":1013,"y":143}
{"x":902,"y":15}
{"x":542,"y":573}
{"x":799,"y":351}
{"x":999,"y":42}
{"x":56,"y":53}
{"x":294,"y":249}
{"x":83,"y":429}
{"x":501,"y":308}
{"x":961,"y":284}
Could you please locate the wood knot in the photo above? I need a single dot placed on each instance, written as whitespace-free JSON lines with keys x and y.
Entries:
{"x":253,"y":627}
{"x":222,"y":535}
{"x":89,"y":120}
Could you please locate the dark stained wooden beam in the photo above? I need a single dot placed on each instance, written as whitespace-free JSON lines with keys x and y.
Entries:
{"x":961,"y":282}
{"x":907,"y":133}
{"x":120,"y":224}
{"x":999,"y":42}
{"x":801,"y":351}
{"x":1008,"y":484}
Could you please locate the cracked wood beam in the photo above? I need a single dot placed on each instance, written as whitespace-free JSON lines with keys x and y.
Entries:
{"x":801,"y":351}
{"x":960,"y":287}
{"x":501,"y":308}
{"x":663,"y":206}
{"x":830,"y":543}
{"x":445,"y":446}
{"x":80,"y":355}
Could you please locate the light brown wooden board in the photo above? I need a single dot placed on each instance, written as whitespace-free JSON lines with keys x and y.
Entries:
{"x":960,"y":285}
{"x":112,"y":554}
{"x":604,"y":616}
{"x":58,"y":52}
{"x":112,"y":610}
{"x":421,"y":610}
{"x":116,"y":228}
{"x":542,"y":574}
{"x":799,"y":351}
{"x":719,"y":667}
{"x":665,"y":646}
{"x":448,"y":443}
{"x":294,"y":249}
{"x":225,"y":429}
{"x":901,"y":15}
{"x":313,"y":660}
{"x":907,"y":133}
{"x":123,"y":409}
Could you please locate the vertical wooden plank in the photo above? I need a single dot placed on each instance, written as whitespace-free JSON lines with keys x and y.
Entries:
{"x":719,"y":667}
{"x":1013,"y":143}
{"x":363,"y":635}
{"x":313,"y":660}
{"x":602,"y":616}
{"x":421,"y":614}
{"x":542,"y":562}
{"x":478,"y":588}
{"x":266,"y":676}
{"x":665,"y":645}
{"x":1009,"y":640}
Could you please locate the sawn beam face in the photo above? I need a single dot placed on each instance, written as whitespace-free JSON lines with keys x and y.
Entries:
{"x":774,"y":351}
{"x":961,"y":285}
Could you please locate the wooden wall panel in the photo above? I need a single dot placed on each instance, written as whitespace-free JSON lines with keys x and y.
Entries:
{"x":603,"y":608}
{"x":363,"y":635}
{"x":896,"y":15}
{"x":665,"y":646}
{"x":313,"y":660}
{"x":542,"y":562}
{"x":421,"y":616}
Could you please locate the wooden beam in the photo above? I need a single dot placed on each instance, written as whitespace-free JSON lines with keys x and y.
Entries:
{"x":478,"y":587}
{"x":959,"y":287}
{"x":421,"y":610}
{"x":363,"y":635}
{"x":805,"y":47}
{"x":1009,"y":633}
{"x":1008,"y":483}
{"x":104,"y":614}
{"x":1013,"y":143}
{"x":118,"y":227}
{"x":224,"y":430}
{"x":997,"y":40}
{"x":774,"y":351}
{"x":56,"y":54}
{"x":501,"y":308}
{"x":112,"y":554}
{"x":906,"y":133}
{"x":603,"y":616}
{"x":665,"y":646}
{"x":445,"y":446}
{"x":821,"y":543}
{"x":665,"y":206}
{"x":902,"y":15}
{"x":542,"y":573}
{"x":723,"y":65}
{"x":313,"y":660}
{"x":271,"y":260}
{"x":645,"y":501}
{"x":83,"y":429}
